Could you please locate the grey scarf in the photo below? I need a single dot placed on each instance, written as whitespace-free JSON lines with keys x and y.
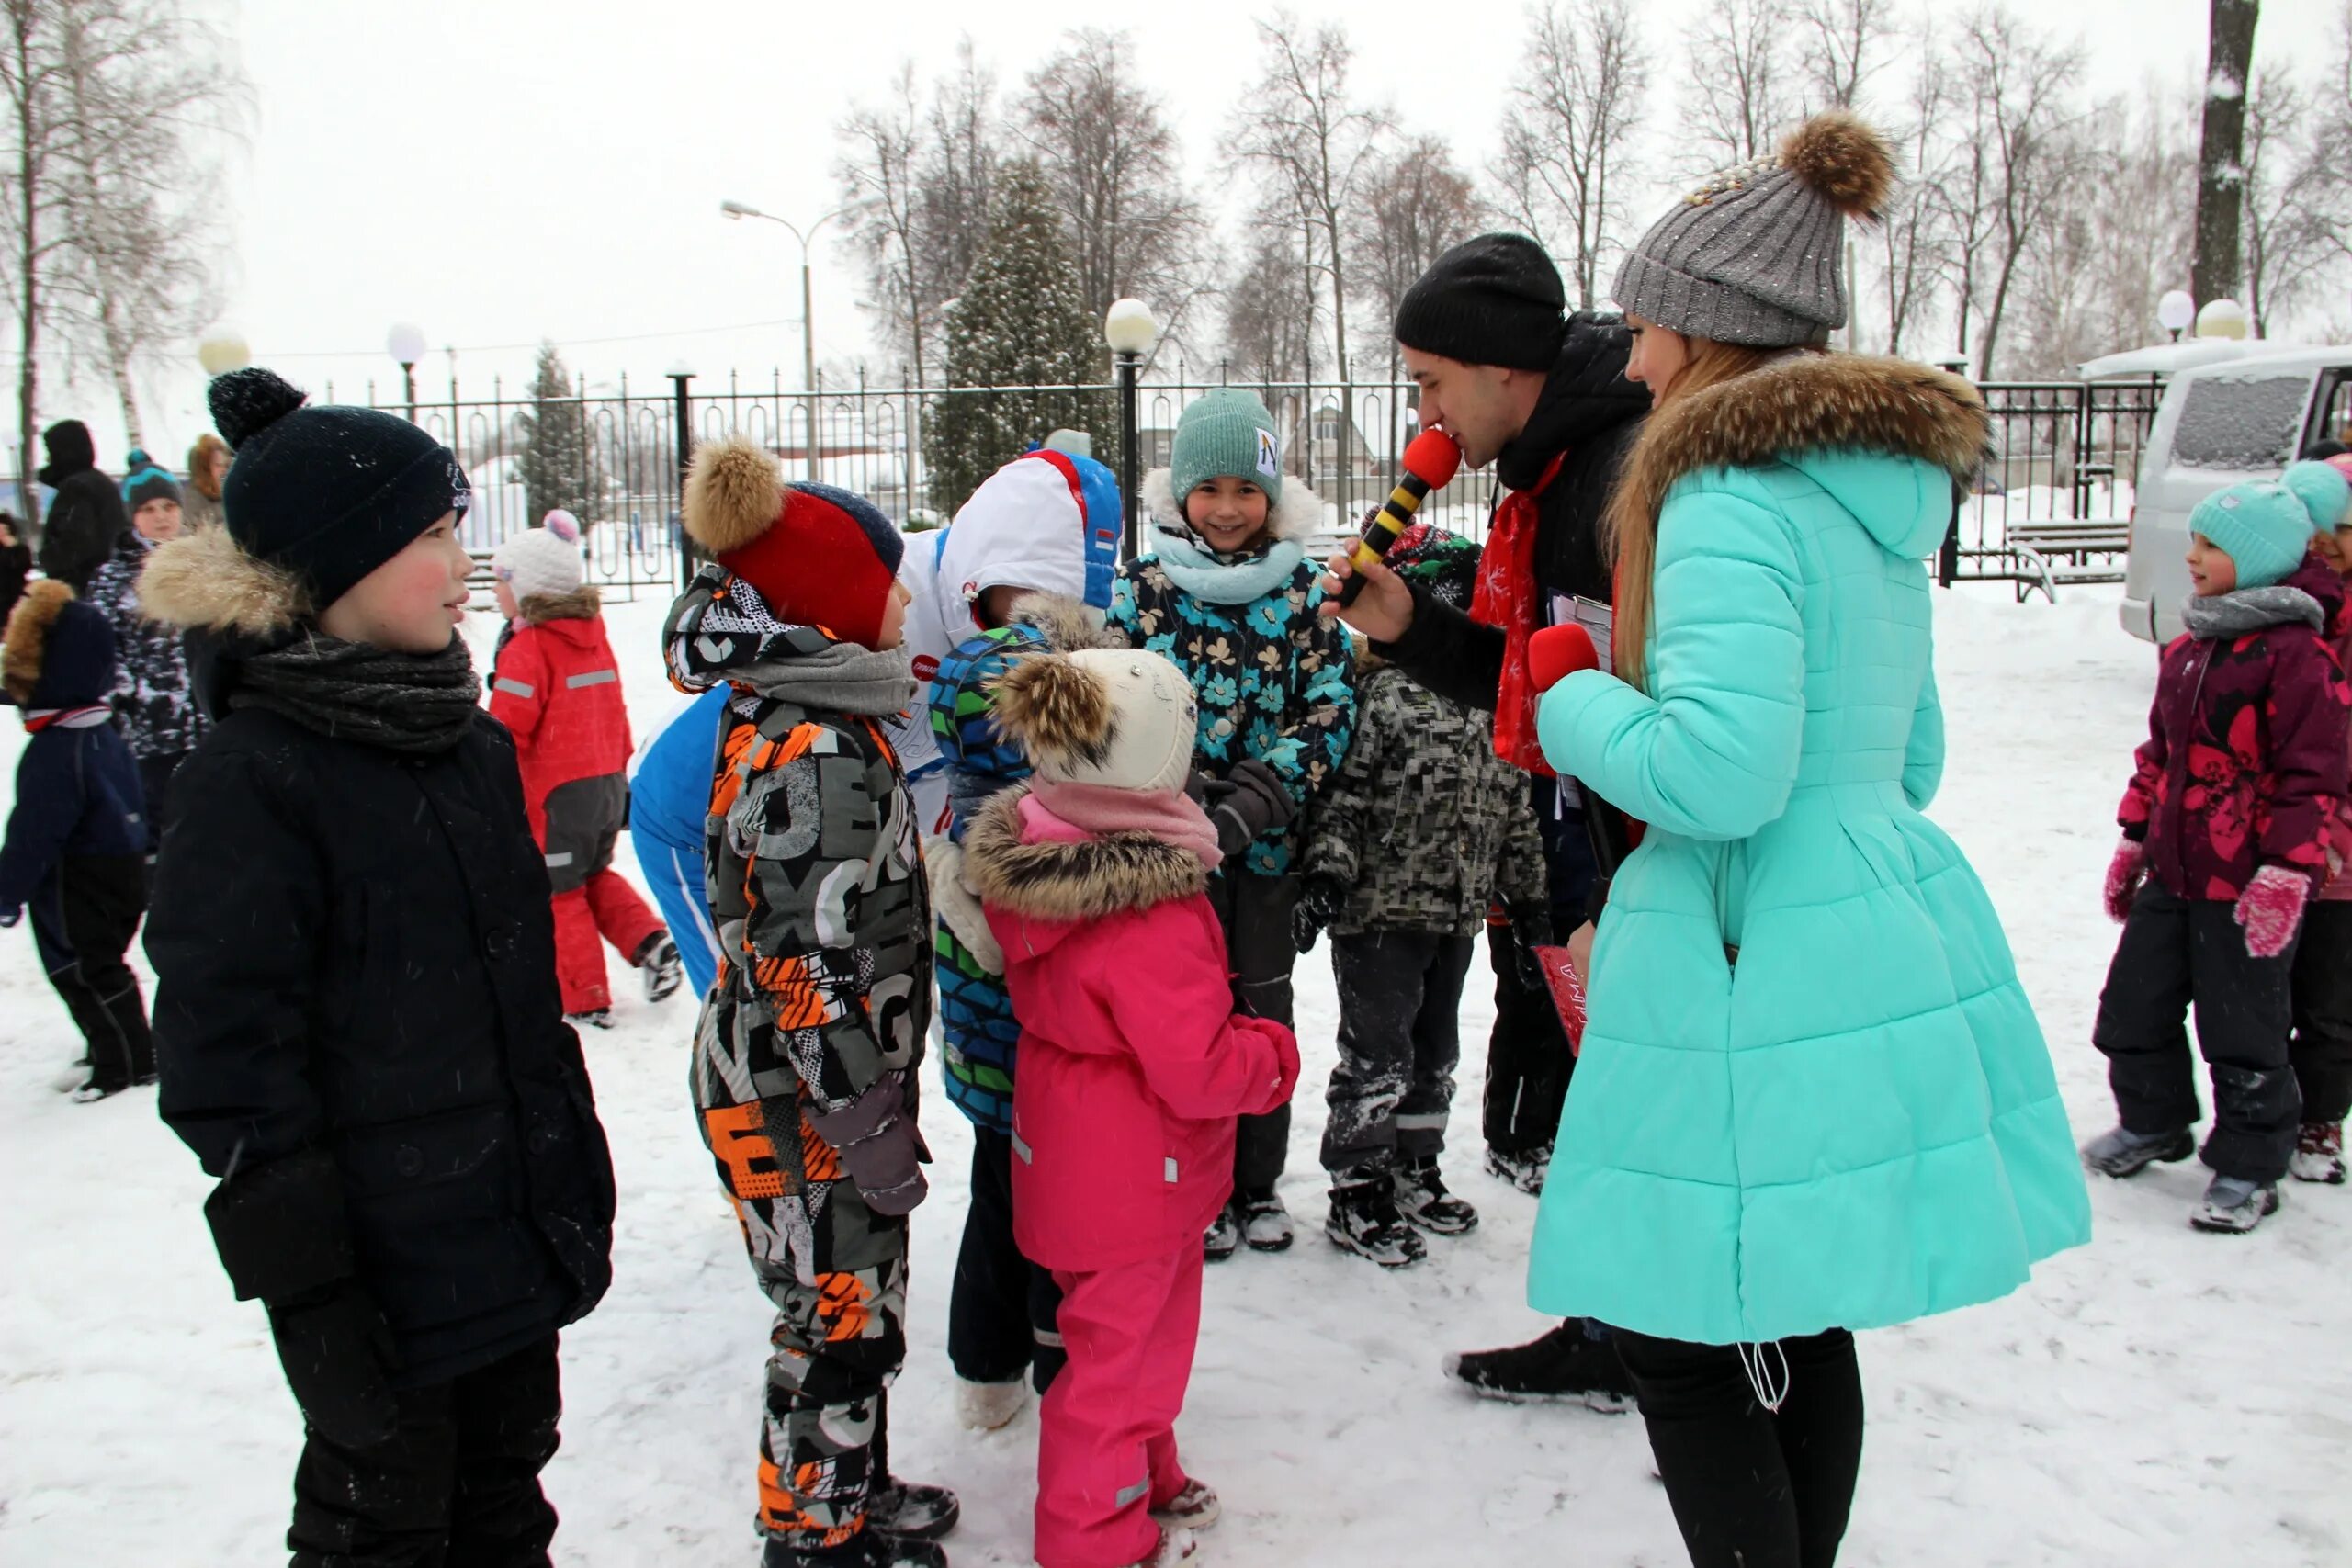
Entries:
{"x":2250,"y":610}
{"x":419,"y":704}
{"x":842,"y":677}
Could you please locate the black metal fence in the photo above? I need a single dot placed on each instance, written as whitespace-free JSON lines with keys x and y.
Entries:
{"x":2061,"y":451}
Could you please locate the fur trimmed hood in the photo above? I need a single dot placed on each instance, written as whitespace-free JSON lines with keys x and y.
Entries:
{"x":1805,"y":404}
{"x":1297,"y":515}
{"x":1067,"y":883}
{"x":582,"y":603}
{"x":205,"y":581}
{"x":1065,"y":624}
{"x":58,"y":652}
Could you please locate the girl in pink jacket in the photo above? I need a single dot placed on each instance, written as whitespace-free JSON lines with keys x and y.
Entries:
{"x":1133,"y":1069}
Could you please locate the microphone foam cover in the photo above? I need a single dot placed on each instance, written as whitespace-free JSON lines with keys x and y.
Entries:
{"x":1558,"y":651}
{"x":1433,"y":456}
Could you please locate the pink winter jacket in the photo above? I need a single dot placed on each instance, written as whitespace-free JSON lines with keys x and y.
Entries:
{"x":1132,"y":1064}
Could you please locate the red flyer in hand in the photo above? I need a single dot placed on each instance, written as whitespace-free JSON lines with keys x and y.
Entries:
{"x":1567,"y":992}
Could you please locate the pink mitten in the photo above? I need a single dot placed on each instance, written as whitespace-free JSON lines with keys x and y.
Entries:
{"x":2124,"y":874}
{"x":2271,"y":908}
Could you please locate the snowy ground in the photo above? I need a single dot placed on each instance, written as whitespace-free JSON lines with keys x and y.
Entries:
{"x":2159,"y":1397}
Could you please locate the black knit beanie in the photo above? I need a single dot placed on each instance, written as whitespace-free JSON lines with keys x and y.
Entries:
{"x":1496,"y":300}
{"x":331,"y":492}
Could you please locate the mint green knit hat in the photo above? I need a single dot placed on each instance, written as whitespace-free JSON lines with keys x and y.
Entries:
{"x":2266,"y":526}
{"x":1227,"y":433}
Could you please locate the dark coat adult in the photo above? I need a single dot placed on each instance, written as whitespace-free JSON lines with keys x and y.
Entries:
{"x":1587,"y":416}
{"x":358,"y":1031}
{"x":88,"y":516}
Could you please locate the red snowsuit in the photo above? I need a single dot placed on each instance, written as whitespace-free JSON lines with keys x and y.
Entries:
{"x":557,"y":687}
{"x":1123,"y":1123}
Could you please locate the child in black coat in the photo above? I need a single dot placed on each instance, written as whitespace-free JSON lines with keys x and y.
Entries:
{"x":356,"y":1017}
{"x":77,"y":838}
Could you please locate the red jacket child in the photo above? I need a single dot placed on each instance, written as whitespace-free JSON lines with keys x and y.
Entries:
{"x":1133,"y":1070}
{"x":557,"y":686}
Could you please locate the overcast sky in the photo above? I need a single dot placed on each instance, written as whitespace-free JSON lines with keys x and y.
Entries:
{"x":498,"y":171}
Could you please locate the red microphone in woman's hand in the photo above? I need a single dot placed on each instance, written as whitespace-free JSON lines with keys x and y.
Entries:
{"x":1557,"y":652}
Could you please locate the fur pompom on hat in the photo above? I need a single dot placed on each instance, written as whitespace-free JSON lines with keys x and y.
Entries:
{"x":820,"y":555}
{"x":1755,"y":255}
{"x":542,"y":562}
{"x":1121,"y":718}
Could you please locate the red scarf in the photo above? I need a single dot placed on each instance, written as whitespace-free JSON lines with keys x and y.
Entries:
{"x":1507,"y":597}
{"x":37,"y":720}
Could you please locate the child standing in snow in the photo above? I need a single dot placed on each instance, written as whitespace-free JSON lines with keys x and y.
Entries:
{"x":804,"y":1063}
{"x":1225,"y":593}
{"x":2321,"y":1050}
{"x":1033,"y":550}
{"x":356,"y":1017}
{"x":1132,"y":1074}
{"x":668,"y":802}
{"x":557,"y":689}
{"x":154,"y":697}
{"x":2226,"y":824}
{"x":77,"y":839}
{"x":1421,"y":829}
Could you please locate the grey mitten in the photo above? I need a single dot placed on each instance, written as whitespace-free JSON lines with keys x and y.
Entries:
{"x":1252,"y":803}
{"x":880,"y":1147}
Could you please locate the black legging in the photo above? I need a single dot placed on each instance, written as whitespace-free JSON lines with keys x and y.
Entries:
{"x":1752,"y":1488}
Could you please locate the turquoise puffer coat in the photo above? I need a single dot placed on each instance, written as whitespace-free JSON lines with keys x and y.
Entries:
{"x":1813,"y":1093}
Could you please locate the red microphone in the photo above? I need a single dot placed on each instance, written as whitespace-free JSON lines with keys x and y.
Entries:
{"x":1557,"y":652}
{"x":1430,"y":461}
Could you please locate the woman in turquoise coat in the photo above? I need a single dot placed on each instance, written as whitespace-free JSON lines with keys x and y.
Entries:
{"x":1812,"y":1097}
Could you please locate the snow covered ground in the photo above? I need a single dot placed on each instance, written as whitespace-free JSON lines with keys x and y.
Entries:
{"x":2158,"y":1396}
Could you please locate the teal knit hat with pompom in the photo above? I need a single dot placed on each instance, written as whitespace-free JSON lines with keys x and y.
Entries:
{"x":2266,"y":526}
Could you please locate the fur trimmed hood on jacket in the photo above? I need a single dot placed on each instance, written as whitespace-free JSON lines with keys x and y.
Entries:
{"x":1807,"y":402}
{"x":1065,"y":624}
{"x":206,"y":581}
{"x":582,"y":603}
{"x":58,"y":652}
{"x":1067,"y":883}
{"x":1297,"y":515}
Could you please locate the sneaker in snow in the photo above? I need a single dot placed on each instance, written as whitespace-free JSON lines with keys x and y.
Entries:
{"x":2319,"y":1154}
{"x":1196,"y":1507}
{"x":2120,"y":1153}
{"x":657,"y":962}
{"x":989,"y":1407}
{"x":1265,"y":1223}
{"x":866,"y":1549}
{"x":1566,"y":1364}
{"x":1224,"y":1238}
{"x":1365,"y":1220}
{"x":908,"y":1510}
{"x":1173,"y":1546}
{"x":601,"y":1019}
{"x":2235,"y":1207}
{"x":1524,"y":1169}
{"x":1423,"y":1199}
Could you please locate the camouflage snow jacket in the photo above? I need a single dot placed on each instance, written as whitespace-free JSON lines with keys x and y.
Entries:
{"x":155,"y":700}
{"x":1423,"y":825}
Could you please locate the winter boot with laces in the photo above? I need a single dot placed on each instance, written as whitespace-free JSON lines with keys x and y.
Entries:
{"x":2233,"y":1206}
{"x":2319,"y":1154}
{"x":1365,"y":1220}
{"x":2121,"y":1152}
{"x":1224,"y":1237}
{"x":657,"y":962}
{"x":1423,"y":1199}
{"x":1265,"y":1223}
{"x":1569,"y":1363}
{"x":1523,"y":1168}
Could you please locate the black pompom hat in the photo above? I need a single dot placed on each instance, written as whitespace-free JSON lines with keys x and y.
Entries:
{"x":330,"y":492}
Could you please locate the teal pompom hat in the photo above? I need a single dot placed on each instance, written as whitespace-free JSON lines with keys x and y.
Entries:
{"x":2266,"y":526}
{"x":1226,"y":435}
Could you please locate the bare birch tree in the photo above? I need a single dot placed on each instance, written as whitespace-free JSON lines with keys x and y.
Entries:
{"x":1568,"y":130}
{"x":1416,"y":203}
{"x":1739,"y":74}
{"x":2018,"y":165}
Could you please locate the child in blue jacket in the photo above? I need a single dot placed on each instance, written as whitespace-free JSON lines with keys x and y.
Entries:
{"x":76,"y":850}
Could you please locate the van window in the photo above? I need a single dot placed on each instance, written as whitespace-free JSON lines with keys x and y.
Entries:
{"x":2333,"y":410}
{"x":2242,"y":422}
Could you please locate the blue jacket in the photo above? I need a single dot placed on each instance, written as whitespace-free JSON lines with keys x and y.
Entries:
{"x":670,"y":778}
{"x":1813,"y":1093}
{"x":77,"y":787}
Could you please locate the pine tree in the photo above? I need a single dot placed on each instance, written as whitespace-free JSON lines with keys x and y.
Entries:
{"x":555,"y":443}
{"x":1021,"y":321}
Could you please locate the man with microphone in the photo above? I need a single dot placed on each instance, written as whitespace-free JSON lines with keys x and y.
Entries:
{"x":1518,"y":382}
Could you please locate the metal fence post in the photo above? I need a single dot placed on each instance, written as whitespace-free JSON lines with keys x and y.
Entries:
{"x":1130,"y":438}
{"x":1948,"y":559}
{"x":687,"y":564}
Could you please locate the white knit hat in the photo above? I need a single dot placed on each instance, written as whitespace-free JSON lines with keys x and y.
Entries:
{"x":543,"y":561}
{"x":1119,"y":717}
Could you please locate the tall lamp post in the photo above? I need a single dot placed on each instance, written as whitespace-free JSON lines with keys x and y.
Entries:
{"x":807,"y":308}
{"x":2175,"y":312}
{"x":680,"y":373}
{"x":406,"y":342}
{"x":1130,"y":330}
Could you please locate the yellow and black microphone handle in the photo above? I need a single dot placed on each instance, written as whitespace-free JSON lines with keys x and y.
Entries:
{"x":1396,"y":516}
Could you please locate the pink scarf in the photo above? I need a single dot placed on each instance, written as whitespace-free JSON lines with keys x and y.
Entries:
{"x":1069,"y":812}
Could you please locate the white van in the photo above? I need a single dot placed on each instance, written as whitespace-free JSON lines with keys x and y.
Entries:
{"x":2219,"y":423}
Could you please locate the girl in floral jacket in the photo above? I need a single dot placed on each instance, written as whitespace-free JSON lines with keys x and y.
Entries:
{"x":1226,"y":592}
{"x":2226,"y":827}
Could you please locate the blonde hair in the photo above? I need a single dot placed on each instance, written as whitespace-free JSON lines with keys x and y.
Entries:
{"x":1632,"y":526}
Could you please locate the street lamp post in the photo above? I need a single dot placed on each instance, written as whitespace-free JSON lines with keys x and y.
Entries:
{"x":2175,"y":311}
{"x":807,"y":305}
{"x":405,"y":342}
{"x":1129,"y":329}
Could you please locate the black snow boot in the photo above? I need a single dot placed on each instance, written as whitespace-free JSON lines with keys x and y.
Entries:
{"x":1364,"y":1219}
{"x":869,"y":1547}
{"x":1422,"y":1197}
{"x":1566,"y":1364}
{"x":911,"y":1509}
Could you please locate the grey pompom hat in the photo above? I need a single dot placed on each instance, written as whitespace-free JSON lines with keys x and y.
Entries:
{"x":1755,"y":255}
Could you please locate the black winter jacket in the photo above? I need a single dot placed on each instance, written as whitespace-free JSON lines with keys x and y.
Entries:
{"x":1592,"y":413}
{"x":87,"y":517}
{"x":358,"y":1031}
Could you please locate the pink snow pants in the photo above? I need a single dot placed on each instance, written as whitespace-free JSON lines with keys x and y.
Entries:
{"x":1107,"y":1437}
